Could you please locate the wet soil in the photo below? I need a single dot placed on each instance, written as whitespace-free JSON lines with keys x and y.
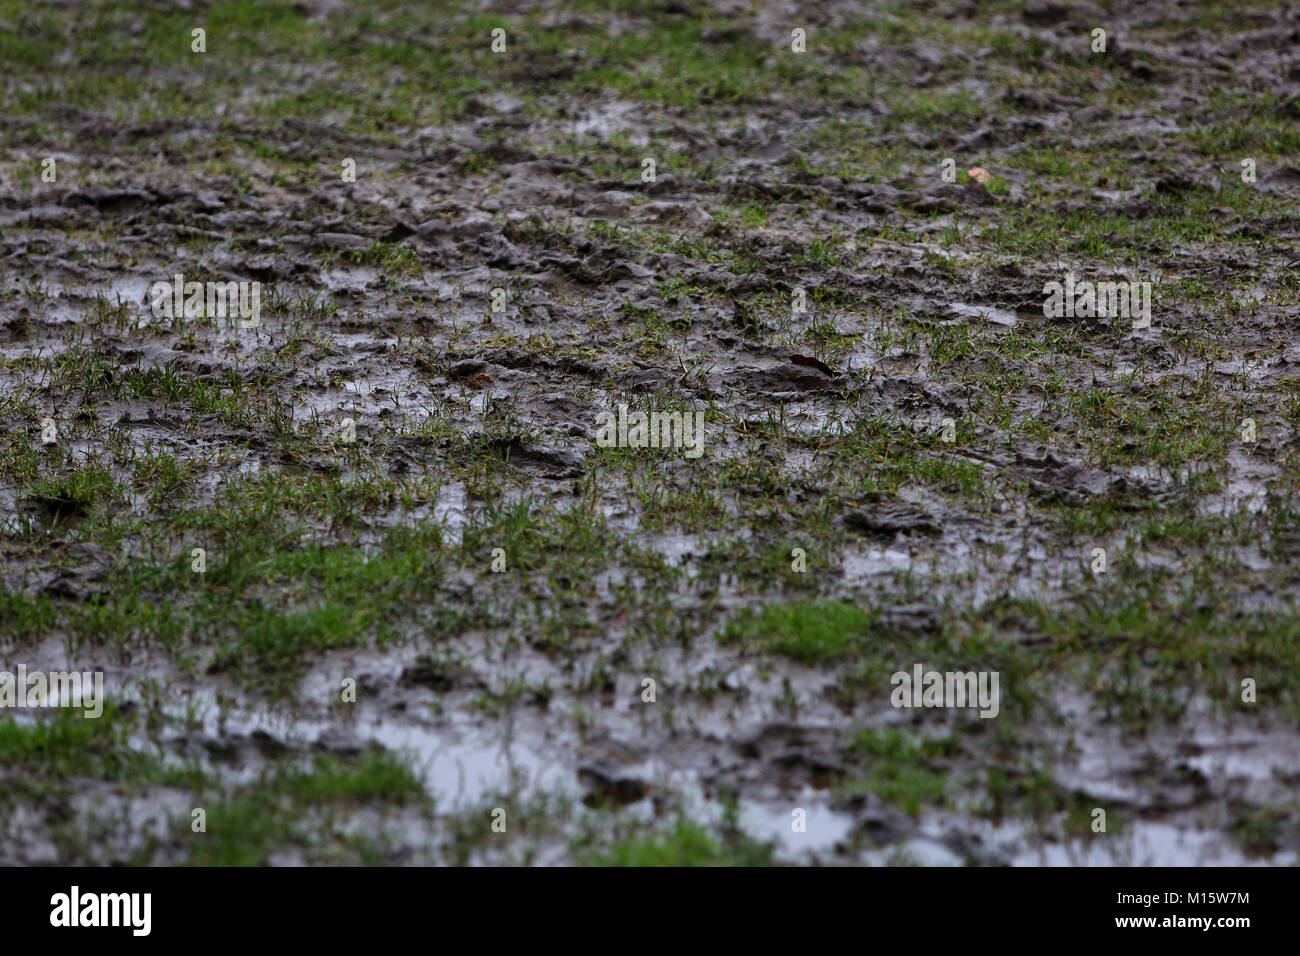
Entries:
{"x":427,"y":583}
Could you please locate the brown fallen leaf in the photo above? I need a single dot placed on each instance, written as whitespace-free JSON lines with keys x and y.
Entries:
{"x":812,"y":363}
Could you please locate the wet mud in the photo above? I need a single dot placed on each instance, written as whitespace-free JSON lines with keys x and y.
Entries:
{"x":429,"y":594}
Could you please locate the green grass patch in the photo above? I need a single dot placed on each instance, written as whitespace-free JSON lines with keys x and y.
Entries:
{"x":811,"y":632}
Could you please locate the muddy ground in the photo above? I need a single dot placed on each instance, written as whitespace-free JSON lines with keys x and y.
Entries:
{"x":358,"y":674}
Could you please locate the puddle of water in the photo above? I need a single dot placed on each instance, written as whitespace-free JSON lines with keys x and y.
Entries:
{"x":353,"y":279}
{"x":866,"y":562}
{"x":674,"y":547}
{"x":983,"y":313}
{"x":1247,"y":487}
{"x":1144,"y":843}
{"x":462,"y":772}
{"x":824,"y":827}
{"x":449,"y":510}
{"x":1249,"y":296}
{"x":611,"y":118}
